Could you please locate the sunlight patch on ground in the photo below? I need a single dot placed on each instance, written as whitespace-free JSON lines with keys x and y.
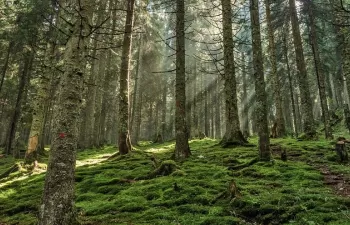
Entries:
{"x":157,"y":150}
{"x":6,"y":183}
{"x":95,"y":160}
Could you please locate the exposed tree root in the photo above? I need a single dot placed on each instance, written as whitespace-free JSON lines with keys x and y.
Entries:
{"x":16,"y":167}
{"x":165,"y":169}
{"x":114,"y":156}
{"x":244,"y":165}
{"x":230,"y":193}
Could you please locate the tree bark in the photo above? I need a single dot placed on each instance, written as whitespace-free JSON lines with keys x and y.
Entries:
{"x":41,"y":103}
{"x":319,"y":72}
{"x":290,"y":81}
{"x":217,"y":110}
{"x":245,"y":105}
{"x":6,"y":64}
{"x":233,"y":135}
{"x":182,"y":149}
{"x":136,"y":110}
{"x":280,"y":123}
{"x":124,"y":136}
{"x":57,"y":207}
{"x":260,"y":92}
{"x":24,"y":72}
{"x":306,"y":103}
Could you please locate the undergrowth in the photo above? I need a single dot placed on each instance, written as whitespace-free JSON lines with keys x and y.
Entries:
{"x":122,"y":191}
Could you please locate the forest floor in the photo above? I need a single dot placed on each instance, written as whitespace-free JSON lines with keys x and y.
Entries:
{"x":310,"y":188}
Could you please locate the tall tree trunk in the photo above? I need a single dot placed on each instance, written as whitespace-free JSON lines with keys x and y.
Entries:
{"x":164,"y":106}
{"x":306,"y":103}
{"x":23,"y":82}
{"x":57,"y":207}
{"x":343,"y":37}
{"x":217,"y":110}
{"x":280,"y":125}
{"x":6,"y":64}
{"x":89,"y":110}
{"x":182,"y":149}
{"x":233,"y":135}
{"x":124,"y":136}
{"x":260,"y":92}
{"x":41,"y":103}
{"x":195,"y":110}
{"x":245,"y":105}
{"x":99,"y":97}
{"x":136,"y":109}
{"x":319,"y":72}
{"x":206,"y":111}
{"x":290,"y":81}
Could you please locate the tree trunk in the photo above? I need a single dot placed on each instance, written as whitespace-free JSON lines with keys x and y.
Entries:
{"x":136,"y":109}
{"x":41,"y":103}
{"x":260,"y":92}
{"x":99,"y":97}
{"x":280,"y":125}
{"x":6,"y":64}
{"x":57,"y":207}
{"x":290,"y":81}
{"x":164,"y":106}
{"x":217,"y":110}
{"x":233,"y":135}
{"x":89,"y":109}
{"x":206,"y":111}
{"x":343,"y":37}
{"x":182,"y":149}
{"x":124,"y":136}
{"x":306,"y":103}
{"x":23,"y":82}
{"x":319,"y":72}
{"x":245,"y":105}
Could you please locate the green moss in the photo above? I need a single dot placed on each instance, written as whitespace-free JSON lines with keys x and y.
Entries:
{"x":108,"y":191}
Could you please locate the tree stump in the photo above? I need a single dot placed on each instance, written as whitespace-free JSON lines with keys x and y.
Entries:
{"x":341,"y":147}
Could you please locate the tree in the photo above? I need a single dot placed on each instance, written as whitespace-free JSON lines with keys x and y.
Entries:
{"x":319,"y":71}
{"x":124,"y":136}
{"x":280,"y":126}
{"x":233,"y":135}
{"x":57,"y":207}
{"x":260,"y":92}
{"x":306,"y":103}
{"x":182,"y":149}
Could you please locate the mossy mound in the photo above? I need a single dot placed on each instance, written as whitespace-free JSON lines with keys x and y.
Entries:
{"x":111,"y":191}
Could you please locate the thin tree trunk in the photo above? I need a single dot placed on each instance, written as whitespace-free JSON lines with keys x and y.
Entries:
{"x":306,"y":103}
{"x":206,"y":112}
{"x":136,"y":109}
{"x":6,"y":64}
{"x":124,"y":136}
{"x":182,"y":149}
{"x":233,"y":135}
{"x":280,"y":126}
{"x":290,"y":81}
{"x":319,"y":73}
{"x":245,"y":104}
{"x":217,"y":110}
{"x":23,"y":82}
{"x":164,"y":106}
{"x":41,"y":103}
{"x":99,"y":97}
{"x":260,"y":92}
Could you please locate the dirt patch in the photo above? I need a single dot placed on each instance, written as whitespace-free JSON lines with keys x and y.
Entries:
{"x":338,"y":182}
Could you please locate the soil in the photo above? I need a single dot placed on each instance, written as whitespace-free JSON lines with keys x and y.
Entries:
{"x":339,"y":183}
